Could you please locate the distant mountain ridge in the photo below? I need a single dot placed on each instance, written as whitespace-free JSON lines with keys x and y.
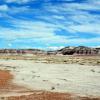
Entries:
{"x":70,"y":50}
{"x":80,"y":50}
{"x":21,"y":51}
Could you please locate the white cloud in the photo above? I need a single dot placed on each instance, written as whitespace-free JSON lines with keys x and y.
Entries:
{"x":9,"y":45}
{"x":54,"y":47}
{"x":90,"y":28}
{"x":82,"y":6}
{"x":76,"y":17}
{"x":38,"y":31}
{"x":18,"y":1}
{"x":73,"y":18}
{"x":4,"y":8}
{"x":97,"y":2}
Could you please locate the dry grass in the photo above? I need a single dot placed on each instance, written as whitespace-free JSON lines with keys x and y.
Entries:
{"x":82,"y":60}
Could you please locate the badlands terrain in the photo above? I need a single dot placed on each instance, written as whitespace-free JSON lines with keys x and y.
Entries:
{"x":49,"y":76}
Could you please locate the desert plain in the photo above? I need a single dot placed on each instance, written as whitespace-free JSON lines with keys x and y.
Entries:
{"x":49,"y":77}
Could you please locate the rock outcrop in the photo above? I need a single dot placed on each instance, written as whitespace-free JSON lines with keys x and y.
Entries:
{"x":80,"y":50}
{"x":98,"y":50}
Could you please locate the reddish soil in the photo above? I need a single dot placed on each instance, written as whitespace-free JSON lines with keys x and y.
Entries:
{"x":50,"y":96}
{"x":5,"y":78}
{"x":7,"y":86}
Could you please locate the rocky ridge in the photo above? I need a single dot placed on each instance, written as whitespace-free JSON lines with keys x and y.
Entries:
{"x":80,"y":50}
{"x":21,"y":51}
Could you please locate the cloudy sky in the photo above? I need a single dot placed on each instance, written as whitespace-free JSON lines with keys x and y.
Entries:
{"x":49,"y":23}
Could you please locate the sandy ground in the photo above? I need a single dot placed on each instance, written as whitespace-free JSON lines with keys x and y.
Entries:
{"x":68,"y":78}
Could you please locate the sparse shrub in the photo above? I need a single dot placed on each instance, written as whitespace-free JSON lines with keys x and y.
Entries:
{"x":92,"y":70}
{"x":52,"y":88}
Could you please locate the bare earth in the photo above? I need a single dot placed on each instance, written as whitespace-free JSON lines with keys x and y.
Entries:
{"x":41,"y":80}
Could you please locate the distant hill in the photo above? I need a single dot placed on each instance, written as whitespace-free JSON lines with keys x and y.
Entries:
{"x":22,"y":51}
{"x":80,"y":50}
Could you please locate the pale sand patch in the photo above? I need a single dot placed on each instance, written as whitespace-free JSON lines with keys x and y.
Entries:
{"x":69,"y":78}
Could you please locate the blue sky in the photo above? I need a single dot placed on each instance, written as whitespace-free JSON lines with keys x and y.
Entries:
{"x":49,"y":24}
